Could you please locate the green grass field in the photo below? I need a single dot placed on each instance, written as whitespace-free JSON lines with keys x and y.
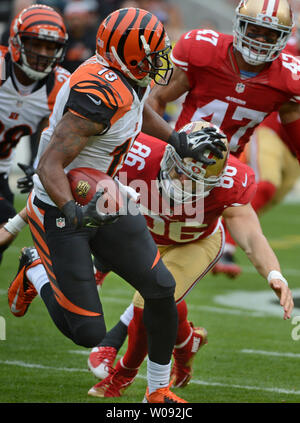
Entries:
{"x":251,"y":356}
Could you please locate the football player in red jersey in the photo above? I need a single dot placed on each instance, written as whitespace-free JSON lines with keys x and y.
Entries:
{"x":236,"y":81}
{"x":189,"y":244}
{"x":97,"y":115}
{"x":30,"y":79}
{"x":271,"y":156}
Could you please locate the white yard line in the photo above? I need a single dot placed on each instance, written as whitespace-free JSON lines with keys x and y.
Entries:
{"x":195,"y":381}
{"x":271,"y":353}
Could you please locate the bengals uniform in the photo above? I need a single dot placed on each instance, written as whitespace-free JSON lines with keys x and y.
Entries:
{"x":221,"y":95}
{"x":97,"y":93}
{"x":20,"y":115}
{"x":189,"y":245}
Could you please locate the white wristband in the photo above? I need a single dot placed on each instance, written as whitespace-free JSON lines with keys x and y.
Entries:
{"x":274,"y":274}
{"x":15,"y":225}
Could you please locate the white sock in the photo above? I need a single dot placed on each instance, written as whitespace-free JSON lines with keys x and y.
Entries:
{"x":127,"y":315}
{"x":158,"y":375}
{"x":37,"y":276}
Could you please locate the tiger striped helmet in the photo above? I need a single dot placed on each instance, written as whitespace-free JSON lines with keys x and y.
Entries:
{"x":272,"y":14}
{"x":37,"y":22}
{"x":135,"y":42}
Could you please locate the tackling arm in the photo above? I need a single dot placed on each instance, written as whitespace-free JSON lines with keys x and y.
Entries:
{"x":244,"y":226}
{"x":290,"y":119}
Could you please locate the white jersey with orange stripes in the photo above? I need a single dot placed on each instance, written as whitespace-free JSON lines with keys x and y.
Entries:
{"x":101,"y":95}
{"x":21,"y":114}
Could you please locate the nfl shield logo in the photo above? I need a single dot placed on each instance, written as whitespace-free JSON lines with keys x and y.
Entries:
{"x":240,"y":87}
{"x":61,"y":222}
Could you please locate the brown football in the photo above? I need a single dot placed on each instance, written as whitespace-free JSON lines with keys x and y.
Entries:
{"x":85,"y":182}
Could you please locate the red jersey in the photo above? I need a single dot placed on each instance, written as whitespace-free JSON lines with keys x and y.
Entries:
{"x":221,"y":95}
{"x":273,"y":120}
{"x":141,"y":169}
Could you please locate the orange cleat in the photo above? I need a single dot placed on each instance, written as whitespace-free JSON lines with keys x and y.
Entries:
{"x":21,"y":292}
{"x":162,"y":396}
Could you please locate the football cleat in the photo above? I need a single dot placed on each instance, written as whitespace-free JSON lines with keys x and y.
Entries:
{"x":227,"y":266}
{"x":21,"y":291}
{"x":101,"y":361}
{"x":184,"y":356}
{"x":114,"y":384}
{"x":162,"y":396}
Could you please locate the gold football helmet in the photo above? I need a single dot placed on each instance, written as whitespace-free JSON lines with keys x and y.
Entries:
{"x":272,"y":14}
{"x":186,"y":180}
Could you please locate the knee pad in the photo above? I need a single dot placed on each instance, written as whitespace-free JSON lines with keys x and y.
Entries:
{"x":160,"y":284}
{"x":89,"y":333}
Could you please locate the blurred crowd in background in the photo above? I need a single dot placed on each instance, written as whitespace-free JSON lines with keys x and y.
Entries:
{"x":82,"y":18}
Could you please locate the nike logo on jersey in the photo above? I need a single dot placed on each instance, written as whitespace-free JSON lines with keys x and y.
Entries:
{"x":245,"y":181}
{"x":188,"y":35}
{"x":97,"y":102}
{"x":14,"y":303}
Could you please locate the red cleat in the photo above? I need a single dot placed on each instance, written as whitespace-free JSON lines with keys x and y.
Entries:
{"x":101,"y":361}
{"x":184,"y":356}
{"x":227,"y":266}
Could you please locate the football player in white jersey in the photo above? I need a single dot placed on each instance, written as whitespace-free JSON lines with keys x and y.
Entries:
{"x":97,"y":115}
{"x":30,"y":80}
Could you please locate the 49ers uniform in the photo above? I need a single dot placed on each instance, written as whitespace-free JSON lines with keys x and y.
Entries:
{"x":220,"y":94}
{"x":272,"y":156}
{"x":189,"y":247}
{"x":21,"y":114}
{"x":101,"y":95}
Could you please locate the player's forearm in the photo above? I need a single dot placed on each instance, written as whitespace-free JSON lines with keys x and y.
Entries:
{"x":260,"y":253}
{"x":55,"y":183}
{"x":155,"y":125}
{"x":156,"y":102}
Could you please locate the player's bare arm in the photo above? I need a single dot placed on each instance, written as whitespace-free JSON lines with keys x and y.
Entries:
{"x":69,"y":138}
{"x":155,"y":125}
{"x":252,"y":240}
{"x":161,"y":95}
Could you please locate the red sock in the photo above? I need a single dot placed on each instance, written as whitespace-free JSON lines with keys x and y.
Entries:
{"x":184,"y":328}
{"x":137,"y":348}
{"x":264,"y":194}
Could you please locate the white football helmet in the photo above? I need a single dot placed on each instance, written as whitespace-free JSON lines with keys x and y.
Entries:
{"x":186,"y":180}
{"x":273,"y":14}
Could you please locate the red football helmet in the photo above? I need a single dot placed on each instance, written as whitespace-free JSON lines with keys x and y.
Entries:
{"x":135,"y":42}
{"x":37,"y":22}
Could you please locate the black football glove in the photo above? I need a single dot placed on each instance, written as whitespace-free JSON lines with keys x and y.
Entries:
{"x":195,"y":144}
{"x":87,"y":215}
{"x":25,"y":184}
